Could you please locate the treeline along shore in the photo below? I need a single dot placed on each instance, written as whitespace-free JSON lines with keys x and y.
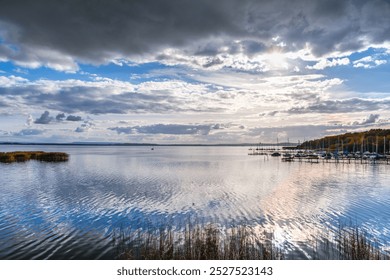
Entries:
{"x":374,"y":140}
{"x":22,"y":156}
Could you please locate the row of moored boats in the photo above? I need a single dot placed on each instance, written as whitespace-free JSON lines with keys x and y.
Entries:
{"x":310,"y":155}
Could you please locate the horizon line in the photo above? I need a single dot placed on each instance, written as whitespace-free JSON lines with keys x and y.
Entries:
{"x":144,"y":144}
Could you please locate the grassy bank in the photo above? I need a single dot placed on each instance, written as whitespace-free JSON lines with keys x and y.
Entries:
{"x":239,"y":243}
{"x":22,"y":156}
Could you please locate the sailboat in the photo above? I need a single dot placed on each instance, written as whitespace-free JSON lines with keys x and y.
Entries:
{"x":276,"y":153}
{"x":287,"y":157}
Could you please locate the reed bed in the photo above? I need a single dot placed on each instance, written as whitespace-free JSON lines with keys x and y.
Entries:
{"x":354,"y":244}
{"x":194,"y":243}
{"x":210,"y":242}
{"x":22,"y":156}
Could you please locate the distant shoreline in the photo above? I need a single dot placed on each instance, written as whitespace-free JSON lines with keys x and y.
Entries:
{"x":151,"y":144}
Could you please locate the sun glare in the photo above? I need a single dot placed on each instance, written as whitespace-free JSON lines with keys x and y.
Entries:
{"x":276,"y":60}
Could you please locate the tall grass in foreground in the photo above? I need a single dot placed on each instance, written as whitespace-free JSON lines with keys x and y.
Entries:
{"x":194,"y":243}
{"x":354,"y":244}
{"x":210,"y":242}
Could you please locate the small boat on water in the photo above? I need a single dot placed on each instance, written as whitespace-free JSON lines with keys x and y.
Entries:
{"x":312,"y":156}
{"x":287,"y":157}
{"x":326,"y":156}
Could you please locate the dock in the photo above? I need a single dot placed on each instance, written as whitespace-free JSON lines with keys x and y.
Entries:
{"x":340,"y":160}
{"x":313,"y":157}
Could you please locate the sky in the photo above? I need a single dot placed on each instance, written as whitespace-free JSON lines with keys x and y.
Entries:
{"x":185,"y":71}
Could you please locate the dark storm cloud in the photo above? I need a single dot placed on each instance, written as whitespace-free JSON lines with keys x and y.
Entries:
{"x":342,"y":106}
{"x":252,"y":47}
{"x":94,"y":29}
{"x":99,"y":30}
{"x":99,"y":100}
{"x":371,"y":119}
{"x":84,"y":100}
{"x":79,"y":129}
{"x":213,"y":48}
{"x":73,"y":118}
{"x":213,"y":62}
{"x":45,"y":118}
{"x":173,"y":129}
{"x":60,"y":117}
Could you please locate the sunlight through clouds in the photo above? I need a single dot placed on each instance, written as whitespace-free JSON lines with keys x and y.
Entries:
{"x":281,"y":67}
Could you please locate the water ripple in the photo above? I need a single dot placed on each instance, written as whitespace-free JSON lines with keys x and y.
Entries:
{"x":71,"y":211}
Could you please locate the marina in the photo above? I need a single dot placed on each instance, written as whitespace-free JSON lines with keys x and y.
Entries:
{"x":343,"y":160}
{"x":370,"y":147}
{"x":313,"y":157}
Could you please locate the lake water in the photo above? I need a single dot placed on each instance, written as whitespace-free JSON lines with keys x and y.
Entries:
{"x":72,"y":210}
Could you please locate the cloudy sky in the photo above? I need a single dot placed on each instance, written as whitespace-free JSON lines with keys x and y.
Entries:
{"x":180,"y":71}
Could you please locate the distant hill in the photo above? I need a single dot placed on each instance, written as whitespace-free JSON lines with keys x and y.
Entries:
{"x":374,"y":140}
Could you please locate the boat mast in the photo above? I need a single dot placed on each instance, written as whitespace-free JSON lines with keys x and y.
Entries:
{"x":376,"y":150}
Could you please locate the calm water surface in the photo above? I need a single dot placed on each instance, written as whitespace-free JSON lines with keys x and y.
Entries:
{"x":72,"y":210}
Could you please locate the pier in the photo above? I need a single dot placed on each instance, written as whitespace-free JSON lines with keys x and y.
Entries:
{"x":314,"y":157}
{"x":343,"y":160}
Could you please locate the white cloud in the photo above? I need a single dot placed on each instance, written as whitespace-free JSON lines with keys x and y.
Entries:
{"x":368,"y":62}
{"x":380,"y":62}
{"x":12,"y":81}
{"x":29,"y":121}
{"x":325,"y":63}
{"x":223,"y":97}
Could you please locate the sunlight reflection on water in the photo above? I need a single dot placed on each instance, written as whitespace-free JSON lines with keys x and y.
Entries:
{"x":58,"y":210}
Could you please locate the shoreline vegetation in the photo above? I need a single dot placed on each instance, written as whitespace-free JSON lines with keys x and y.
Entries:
{"x":209,"y":242}
{"x":23,"y":156}
{"x":372,"y":140}
{"x":197,"y":242}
